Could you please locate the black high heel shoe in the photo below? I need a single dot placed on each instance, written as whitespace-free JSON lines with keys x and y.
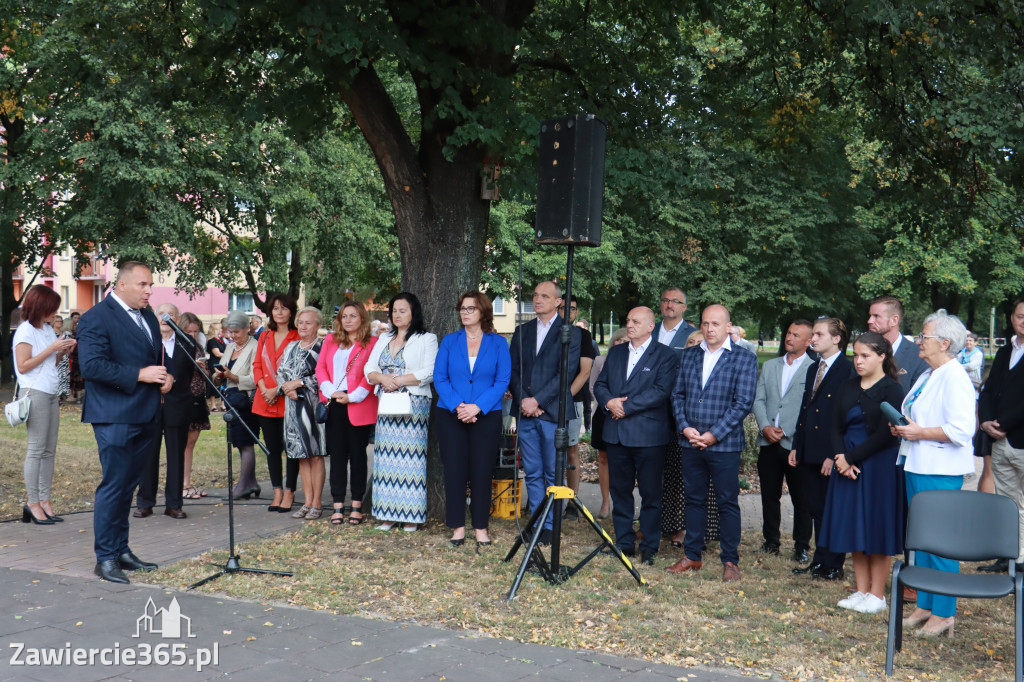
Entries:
{"x":54,"y":518}
{"x":457,"y":542}
{"x":249,"y":493}
{"x":27,"y":516}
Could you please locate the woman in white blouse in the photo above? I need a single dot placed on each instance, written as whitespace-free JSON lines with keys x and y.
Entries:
{"x":938,"y":445}
{"x":402,"y":361}
{"x":37,"y":352}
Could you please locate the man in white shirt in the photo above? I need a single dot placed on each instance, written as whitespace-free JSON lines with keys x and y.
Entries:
{"x":673,"y":330}
{"x":780,"y":391}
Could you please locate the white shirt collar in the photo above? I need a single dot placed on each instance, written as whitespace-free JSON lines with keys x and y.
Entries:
{"x":642,"y":348}
{"x":725,"y":346}
{"x":120,"y":302}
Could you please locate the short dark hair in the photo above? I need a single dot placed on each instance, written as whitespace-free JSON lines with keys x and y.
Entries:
{"x":128,"y":267}
{"x":1016,"y":302}
{"x":417,"y":325}
{"x":39,"y":305}
{"x":895,"y":305}
{"x":289,"y":303}
{"x":802,"y":323}
{"x":486,"y":309}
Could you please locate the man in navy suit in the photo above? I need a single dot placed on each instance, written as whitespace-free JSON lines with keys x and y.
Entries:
{"x":673,"y":330}
{"x":536,"y":361}
{"x":634,"y":390}
{"x":885,"y":315}
{"x":119,"y":356}
{"x":714,"y":391}
{"x":173,"y":418}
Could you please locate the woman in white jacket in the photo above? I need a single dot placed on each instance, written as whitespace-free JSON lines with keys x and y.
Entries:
{"x":938,"y":445}
{"x":402,"y":361}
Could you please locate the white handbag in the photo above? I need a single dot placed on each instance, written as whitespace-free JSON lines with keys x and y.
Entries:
{"x":397,"y":404}
{"x":16,"y":411}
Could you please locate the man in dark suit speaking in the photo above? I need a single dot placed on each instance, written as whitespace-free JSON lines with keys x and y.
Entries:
{"x":634,"y":389}
{"x":119,"y":356}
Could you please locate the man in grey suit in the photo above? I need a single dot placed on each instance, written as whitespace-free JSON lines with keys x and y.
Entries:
{"x":673,"y":330}
{"x":780,"y":391}
{"x":885,"y":315}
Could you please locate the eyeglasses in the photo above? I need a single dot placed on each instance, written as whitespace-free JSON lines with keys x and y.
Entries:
{"x":572,"y":308}
{"x":672,"y":300}
{"x":469,"y":309}
{"x":921,"y":337}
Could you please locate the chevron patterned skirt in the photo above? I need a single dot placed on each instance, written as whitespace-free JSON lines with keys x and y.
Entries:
{"x":400,"y":465}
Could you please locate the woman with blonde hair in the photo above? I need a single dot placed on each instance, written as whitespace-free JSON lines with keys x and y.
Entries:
{"x":351,"y":407}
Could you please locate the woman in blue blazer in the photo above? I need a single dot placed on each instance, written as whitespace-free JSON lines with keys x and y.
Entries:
{"x":471,"y":374}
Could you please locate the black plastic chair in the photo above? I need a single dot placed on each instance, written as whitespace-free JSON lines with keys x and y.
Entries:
{"x":967,"y":526}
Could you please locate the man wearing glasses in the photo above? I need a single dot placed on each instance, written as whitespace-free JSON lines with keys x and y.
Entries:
{"x":673,"y":330}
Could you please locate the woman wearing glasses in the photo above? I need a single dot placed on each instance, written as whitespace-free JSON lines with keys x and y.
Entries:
{"x":471,"y":374}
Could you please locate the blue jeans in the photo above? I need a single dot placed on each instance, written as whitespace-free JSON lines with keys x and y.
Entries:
{"x":537,"y":448}
{"x":723,"y":469}
{"x":939,"y":605}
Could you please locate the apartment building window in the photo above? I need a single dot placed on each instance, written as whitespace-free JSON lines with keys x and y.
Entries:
{"x":243,"y":302}
{"x":65,"y":299}
{"x":97,"y":292}
{"x":499,"y":305}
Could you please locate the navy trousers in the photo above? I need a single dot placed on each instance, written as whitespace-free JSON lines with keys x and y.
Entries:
{"x":723,"y":469}
{"x":124,"y":451}
{"x":815,"y":491}
{"x":645,"y":466}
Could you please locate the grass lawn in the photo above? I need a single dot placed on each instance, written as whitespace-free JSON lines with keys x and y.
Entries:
{"x":771,"y":624}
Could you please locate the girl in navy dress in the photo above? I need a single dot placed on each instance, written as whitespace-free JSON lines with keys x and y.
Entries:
{"x":864,"y":508}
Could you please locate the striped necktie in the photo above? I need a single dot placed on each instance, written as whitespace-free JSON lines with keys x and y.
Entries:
{"x":137,"y":314}
{"x":822,"y":368}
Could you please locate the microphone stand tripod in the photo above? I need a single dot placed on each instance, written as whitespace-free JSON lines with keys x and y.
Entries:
{"x":554,"y":573}
{"x":233,"y":565}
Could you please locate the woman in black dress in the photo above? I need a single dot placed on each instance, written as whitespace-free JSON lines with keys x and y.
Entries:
{"x":864,"y":508}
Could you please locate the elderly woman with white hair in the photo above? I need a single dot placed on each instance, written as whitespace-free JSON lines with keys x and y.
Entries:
{"x":937,"y":445}
{"x":235,"y":372}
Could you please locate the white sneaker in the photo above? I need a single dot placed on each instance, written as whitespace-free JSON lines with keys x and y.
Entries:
{"x":851,"y":601}
{"x":871,"y":604}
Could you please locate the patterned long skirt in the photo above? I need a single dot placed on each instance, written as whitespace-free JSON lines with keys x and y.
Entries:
{"x":400,"y":465}
{"x":673,"y":501}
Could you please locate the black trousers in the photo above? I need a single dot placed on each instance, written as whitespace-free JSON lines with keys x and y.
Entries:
{"x":645,"y":465}
{"x":468,"y":452}
{"x":273,"y":438}
{"x":773,"y":467}
{"x":346,"y":446}
{"x":175,"y":438}
{"x":815,"y":491}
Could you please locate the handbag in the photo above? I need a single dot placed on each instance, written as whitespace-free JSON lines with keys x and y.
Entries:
{"x":16,"y":411}
{"x":321,"y":413}
{"x":397,"y":404}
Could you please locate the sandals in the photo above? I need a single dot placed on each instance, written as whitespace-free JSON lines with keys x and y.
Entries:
{"x":193,"y":493}
{"x":338,"y":517}
{"x":353,"y":521}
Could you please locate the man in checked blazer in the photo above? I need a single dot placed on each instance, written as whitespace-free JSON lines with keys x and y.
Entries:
{"x":634,"y":389}
{"x":780,"y":391}
{"x":714,"y":391}
{"x":536,"y":360}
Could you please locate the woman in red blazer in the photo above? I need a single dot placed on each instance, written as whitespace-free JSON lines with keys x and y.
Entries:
{"x":352,"y":406}
{"x":268,"y":402}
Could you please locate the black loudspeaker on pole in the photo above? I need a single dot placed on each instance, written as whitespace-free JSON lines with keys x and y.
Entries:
{"x":570,"y":188}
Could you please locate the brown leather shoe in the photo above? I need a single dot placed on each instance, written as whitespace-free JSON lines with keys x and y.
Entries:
{"x":683,"y":565}
{"x":142,"y":512}
{"x":909,"y":594}
{"x":175,"y":513}
{"x":730,"y":572}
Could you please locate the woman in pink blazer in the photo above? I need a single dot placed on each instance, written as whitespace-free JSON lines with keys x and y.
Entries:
{"x":351,"y":406}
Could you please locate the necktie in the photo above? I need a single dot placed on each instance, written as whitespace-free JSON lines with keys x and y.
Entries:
{"x":137,"y":314}
{"x":822,"y":368}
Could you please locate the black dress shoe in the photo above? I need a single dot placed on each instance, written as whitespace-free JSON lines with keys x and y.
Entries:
{"x":810,"y":568}
{"x":130,"y":562}
{"x":175,"y":513}
{"x":142,"y":512}
{"x":800,"y":556}
{"x":545,"y":537}
{"x":999,"y":566}
{"x":828,"y":573}
{"x":571,"y":514}
{"x":768,"y":548}
{"x":647,"y":558}
{"x":109,"y":570}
